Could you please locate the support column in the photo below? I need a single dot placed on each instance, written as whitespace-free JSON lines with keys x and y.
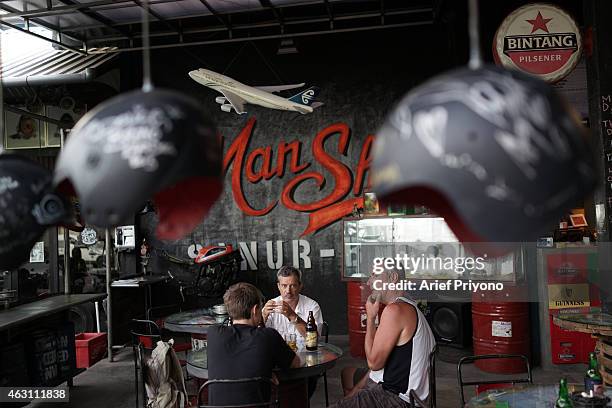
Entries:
{"x":598,"y":35}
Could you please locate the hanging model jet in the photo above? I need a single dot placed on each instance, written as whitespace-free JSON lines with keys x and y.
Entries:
{"x":236,"y":94}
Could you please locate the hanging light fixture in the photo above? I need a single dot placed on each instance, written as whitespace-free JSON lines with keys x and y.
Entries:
{"x":287,"y":46}
{"x":149,"y":143}
{"x":496,"y":152}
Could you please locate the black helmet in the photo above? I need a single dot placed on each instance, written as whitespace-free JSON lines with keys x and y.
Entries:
{"x":140,"y":145}
{"x":28,"y":206}
{"x":496,"y":152}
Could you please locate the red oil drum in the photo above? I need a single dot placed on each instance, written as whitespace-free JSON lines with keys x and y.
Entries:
{"x":358,"y":293}
{"x":501,"y":328}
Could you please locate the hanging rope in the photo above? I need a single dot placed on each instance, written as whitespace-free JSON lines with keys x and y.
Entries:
{"x":265,"y":60}
{"x":234,"y":58}
{"x":475,"y":57}
{"x":147,"y":84}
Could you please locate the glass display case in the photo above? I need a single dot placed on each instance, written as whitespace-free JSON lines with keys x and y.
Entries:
{"x":423,"y":246}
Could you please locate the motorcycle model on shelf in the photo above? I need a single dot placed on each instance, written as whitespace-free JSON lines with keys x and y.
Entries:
{"x":208,"y":276}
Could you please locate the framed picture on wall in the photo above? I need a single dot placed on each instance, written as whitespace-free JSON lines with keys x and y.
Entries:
{"x":67,"y":116}
{"x":22,"y":131}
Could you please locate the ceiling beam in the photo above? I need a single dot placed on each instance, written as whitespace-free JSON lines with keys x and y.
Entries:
{"x":277,"y":13}
{"x":41,"y":23}
{"x":216,"y":14}
{"x":204,"y":14}
{"x":251,"y":27}
{"x":61,"y":10}
{"x":42,"y":37}
{"x":95,"y":16}
{"x":277,"y":36}
{"x":172,"y":26}
{"x":330,"y":13}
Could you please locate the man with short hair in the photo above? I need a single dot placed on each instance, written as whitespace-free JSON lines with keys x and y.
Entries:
{"x":397,"y":351}
{"x":244,"y":350}
{"x":288,"y":312}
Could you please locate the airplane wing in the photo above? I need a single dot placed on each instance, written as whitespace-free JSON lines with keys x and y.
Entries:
{"x":279,"y":88}
{"x":236,"y":101}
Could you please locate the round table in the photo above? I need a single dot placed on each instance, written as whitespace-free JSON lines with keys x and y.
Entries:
{"x":600,"y":326}
{"x":293,"y":387}
{"x":523,"y":396}
{"x":195,"y":321}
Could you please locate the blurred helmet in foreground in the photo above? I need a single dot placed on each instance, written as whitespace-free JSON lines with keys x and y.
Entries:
{"x":28,"y":206}
{"x":495,"y":152}
{"x":140,"y":145}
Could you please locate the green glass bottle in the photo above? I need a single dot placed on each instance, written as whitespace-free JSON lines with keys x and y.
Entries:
{"x":592,"y":378}
{"x":564,"y":400}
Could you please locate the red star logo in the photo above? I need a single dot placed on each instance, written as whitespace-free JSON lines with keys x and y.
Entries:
{"x":539,"y":23}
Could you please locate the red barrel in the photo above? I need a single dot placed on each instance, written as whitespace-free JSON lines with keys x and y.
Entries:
{"x":501,"y":328}
{"x":358,"y":293}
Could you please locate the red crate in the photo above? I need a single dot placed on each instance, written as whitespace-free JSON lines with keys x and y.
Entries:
{"x":90,"y":348}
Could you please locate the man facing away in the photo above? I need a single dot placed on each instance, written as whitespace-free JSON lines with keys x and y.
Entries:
{"x":245,"y":350}
{"x":397,"y":351}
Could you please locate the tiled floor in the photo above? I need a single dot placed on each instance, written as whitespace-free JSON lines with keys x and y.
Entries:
{"x":112,"y":384}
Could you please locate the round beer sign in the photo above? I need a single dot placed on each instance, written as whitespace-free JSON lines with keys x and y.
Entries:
{"x":539,"y":39}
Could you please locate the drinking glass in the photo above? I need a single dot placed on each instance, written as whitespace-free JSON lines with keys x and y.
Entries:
{"x":291,"y":341}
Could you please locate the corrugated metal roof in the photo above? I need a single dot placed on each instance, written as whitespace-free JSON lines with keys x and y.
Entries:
{"x":54,"y":67}
{"x":97,"y":23}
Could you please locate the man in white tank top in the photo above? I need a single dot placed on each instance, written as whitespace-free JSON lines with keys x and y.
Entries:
{"x":397,"y":351}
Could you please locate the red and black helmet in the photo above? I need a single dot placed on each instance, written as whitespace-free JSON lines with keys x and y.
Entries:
{"x":140,"y":145}
{"x":28,"y":205}
{"x":495,"y":152}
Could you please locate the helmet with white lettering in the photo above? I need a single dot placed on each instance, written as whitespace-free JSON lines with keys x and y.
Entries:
{"x":140,"y":145}
{"x":28,"y":205}
{"x":495,"y":152}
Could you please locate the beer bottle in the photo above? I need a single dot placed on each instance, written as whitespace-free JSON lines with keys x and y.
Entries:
{"x":592,"y":378}
{"x":312,"y":336}
{"x":564,"y":400}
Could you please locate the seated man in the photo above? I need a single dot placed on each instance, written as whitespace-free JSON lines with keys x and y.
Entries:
{"x":288,"y":312}
{"x":244,"y":350}
{"x":397,"y":352}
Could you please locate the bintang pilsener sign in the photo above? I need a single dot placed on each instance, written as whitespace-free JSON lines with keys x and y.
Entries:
{"x":539,"y":39}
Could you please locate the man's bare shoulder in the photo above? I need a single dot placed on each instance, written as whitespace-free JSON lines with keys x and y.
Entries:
{"x":397,"y":310}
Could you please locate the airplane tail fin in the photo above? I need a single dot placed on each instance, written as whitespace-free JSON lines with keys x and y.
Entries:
{"x":306,"y":97}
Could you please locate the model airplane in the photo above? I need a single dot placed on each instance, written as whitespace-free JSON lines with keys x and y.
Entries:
{"x":236,"y":94}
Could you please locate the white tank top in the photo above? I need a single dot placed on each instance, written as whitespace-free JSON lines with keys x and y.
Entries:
{"x":423,"y":342}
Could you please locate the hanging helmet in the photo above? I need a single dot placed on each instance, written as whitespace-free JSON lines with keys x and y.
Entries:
{"x":495,"y":152}
{"x":140,"y":145}
{"x":28,"y":206}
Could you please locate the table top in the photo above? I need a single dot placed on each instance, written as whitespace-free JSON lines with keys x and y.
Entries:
{"x":523,"y":396}
{"x":139,"y":281}
{"x":34,"y":310}
{"x":313,"y":363}
{"x":193,"y":321}
{"x":585,"y":322}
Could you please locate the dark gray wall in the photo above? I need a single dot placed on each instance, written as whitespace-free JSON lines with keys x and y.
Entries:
{"x":361,"y":75}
